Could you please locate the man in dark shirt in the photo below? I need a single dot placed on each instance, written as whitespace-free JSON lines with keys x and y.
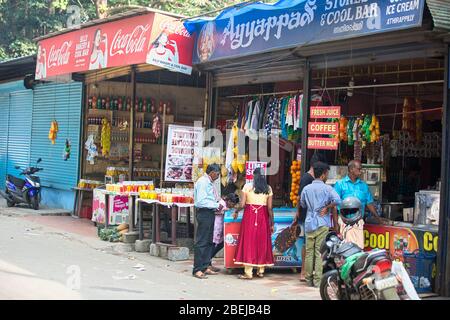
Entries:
{"x":305,"y":180}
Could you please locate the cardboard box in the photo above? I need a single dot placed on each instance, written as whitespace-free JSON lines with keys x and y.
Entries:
{"x":408,"y":214}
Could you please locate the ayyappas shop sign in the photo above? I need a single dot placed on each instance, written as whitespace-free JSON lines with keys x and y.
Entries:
{"x":259,"y":27}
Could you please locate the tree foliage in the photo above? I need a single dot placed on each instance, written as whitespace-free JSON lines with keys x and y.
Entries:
{"x":21,"y":21}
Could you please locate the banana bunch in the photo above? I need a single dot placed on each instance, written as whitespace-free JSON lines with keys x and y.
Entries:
{"x":374,"y":129}
{"x":366,"y":128}
{"x":53,"y":131}
{"x":106,"y":137}
{"x":350,"y":125}
{"x":343,"y":122}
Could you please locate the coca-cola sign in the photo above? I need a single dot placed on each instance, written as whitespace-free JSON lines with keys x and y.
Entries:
{"x":151,"y":38}
{"x":59,"y":56}
{"x":130,"y":42}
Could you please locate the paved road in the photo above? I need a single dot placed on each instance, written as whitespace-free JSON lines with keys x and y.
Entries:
{"x":42,"y":262}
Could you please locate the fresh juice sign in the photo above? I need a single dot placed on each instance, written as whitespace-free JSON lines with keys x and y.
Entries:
{"x":320,"y":112}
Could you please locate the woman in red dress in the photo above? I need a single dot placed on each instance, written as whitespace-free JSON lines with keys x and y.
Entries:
{"x":254,"y":245}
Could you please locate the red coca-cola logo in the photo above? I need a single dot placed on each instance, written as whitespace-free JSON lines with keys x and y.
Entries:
{"x":173,"y":27}
{"x":129,"y":42}
{"x":60,"y":56}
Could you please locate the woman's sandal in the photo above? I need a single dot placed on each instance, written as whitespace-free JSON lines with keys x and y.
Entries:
{"x":260,"y":275}
{"x":200,"y":276}
{"x":244,"y":277}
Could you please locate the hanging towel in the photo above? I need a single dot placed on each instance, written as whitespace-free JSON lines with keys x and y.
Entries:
{"x":253,"y":129}
{"x":249,"y":116}
{"x":229,"y":155}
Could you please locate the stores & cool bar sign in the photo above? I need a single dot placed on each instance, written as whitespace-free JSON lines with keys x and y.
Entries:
{"x":260,"y":27}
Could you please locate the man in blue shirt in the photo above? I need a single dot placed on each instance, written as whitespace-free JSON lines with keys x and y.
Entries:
{"x":206,"y":201}
{"x":353,"y":186}
{"x":318,"y":198}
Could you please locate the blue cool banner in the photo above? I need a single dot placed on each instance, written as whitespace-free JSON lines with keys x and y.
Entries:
{"x":260,"y":27}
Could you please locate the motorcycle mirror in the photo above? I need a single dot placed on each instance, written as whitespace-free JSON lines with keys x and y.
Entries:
{"x":39,"y":160}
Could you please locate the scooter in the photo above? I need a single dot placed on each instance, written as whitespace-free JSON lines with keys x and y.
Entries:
{"x":26,"y":190}
{"x":352,"y":274}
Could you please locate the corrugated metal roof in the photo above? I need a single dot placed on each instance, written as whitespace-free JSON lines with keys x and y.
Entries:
{"x":17,"y":68}
{"x":440,"y":11}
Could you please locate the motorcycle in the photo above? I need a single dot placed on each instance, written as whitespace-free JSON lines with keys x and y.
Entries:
{"x":26,"y":190}
{"x":352,"y":274}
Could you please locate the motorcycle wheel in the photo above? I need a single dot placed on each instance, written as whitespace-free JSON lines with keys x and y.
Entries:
{"x":329,"y":286}
{"x":9,"y":203}
{"x":34,"y":202}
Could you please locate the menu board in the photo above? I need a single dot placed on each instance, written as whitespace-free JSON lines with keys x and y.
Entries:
{"x":183,"y":145}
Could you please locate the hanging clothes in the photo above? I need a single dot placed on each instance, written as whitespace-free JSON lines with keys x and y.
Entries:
{"x":290,"y":111}
{"x":284,"y":114}
{"x":262,"y":113}
{"x":269,"y":116}
{"x":276,"y":122}
{"x":299,"y":113}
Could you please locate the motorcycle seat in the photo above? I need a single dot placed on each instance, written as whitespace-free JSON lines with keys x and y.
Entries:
{"x":16,"y":181}
{"x":366,"y":259}
{"x":348,"y":249}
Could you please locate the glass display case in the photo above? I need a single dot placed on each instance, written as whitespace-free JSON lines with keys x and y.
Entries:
{"x":372,"y":174}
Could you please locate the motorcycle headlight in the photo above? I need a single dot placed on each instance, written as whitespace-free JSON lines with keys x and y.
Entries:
{"x":37,"y":184}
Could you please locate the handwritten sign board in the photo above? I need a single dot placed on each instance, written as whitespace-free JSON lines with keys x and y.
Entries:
{"x":183,"y":143}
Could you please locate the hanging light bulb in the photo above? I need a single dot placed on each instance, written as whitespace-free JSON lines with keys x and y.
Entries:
{"x":351,"y":84}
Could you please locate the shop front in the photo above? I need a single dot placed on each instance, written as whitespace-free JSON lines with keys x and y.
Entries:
{"x":350,"y":81}
{"x":138,"y":84}
{"x":27,"y":111}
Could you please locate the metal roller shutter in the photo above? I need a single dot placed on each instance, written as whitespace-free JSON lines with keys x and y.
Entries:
{"x":19,"y":133}
{"x":4,"y":116}
{"x":63,"y":103}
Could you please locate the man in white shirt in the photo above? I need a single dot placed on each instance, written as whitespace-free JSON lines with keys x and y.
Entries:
{"x":206,"y":201}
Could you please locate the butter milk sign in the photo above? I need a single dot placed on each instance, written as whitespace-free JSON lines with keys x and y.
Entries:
{"x":289,"y":23}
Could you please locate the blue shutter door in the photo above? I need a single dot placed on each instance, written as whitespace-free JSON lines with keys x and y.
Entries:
{"x":4,"y":115}
{"x":19,"y":133}
{"x":61,"y":102}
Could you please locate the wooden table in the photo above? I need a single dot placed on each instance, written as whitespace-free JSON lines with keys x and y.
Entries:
{"x":156,"y":236}
{"x":79,"y":197}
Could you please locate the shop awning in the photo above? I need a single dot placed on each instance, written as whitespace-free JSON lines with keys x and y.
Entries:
{"x":257,"y":28}
{"x":440,"y":11}
{"x":150,"y":38}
